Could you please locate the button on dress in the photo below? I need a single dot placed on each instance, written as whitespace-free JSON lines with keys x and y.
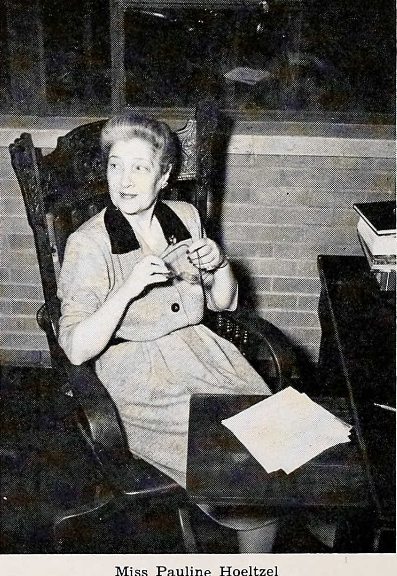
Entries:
{"x":165,"y":354}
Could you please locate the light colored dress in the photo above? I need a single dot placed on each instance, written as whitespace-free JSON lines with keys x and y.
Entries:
{"x":166,"y":354}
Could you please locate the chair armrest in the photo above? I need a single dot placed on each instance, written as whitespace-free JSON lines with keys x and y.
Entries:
{"x":265,"y":346}
{"x":67,"y":524}
{"x":136,"y":478}
{"x":273,"y":339}
{"x":128,"y":475}
{"x":43,"y":319}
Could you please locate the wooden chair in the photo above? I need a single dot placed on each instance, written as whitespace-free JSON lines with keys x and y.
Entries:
{"x":61,"y":191}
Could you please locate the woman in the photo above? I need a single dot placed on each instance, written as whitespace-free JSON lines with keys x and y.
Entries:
{"x":128,"y":303}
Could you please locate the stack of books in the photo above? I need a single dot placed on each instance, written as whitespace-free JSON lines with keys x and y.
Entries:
{"x":376,"y":230}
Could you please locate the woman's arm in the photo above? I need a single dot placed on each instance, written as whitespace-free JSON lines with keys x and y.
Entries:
{"x":85,"y":339}
{"x":224,"y":287}
{"x":90,"y":336}
{"x":206,"y":255}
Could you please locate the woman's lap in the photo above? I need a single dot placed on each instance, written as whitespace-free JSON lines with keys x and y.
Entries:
{"x":153,"y":397}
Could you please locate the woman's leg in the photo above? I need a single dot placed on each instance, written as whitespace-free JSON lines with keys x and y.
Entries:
{"x":322,"y":527}
{"x":256,"y":532}
{"x":258,"y":540}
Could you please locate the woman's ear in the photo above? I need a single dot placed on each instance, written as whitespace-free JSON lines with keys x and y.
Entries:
{"x":165,"y":176}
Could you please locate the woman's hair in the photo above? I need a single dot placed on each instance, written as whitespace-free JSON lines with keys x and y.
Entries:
{"x":135,"y":125}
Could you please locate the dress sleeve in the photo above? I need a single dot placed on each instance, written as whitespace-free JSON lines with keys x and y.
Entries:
{"x":198,"y":228}
{"x":83,"y":284}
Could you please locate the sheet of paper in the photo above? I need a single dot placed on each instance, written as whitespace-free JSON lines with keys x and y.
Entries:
{"x":287,"y":430}
{"x":246,"y":75}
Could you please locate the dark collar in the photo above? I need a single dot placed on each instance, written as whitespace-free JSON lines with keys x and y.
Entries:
{"x":122,"y":237}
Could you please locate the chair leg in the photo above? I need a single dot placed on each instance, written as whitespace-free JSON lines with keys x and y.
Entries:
{"x":69,"y":525}
{"x":189,"y":539}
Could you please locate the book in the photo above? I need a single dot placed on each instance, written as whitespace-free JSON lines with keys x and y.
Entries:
{"x":378,"y":245}
{"x":380,"y":216}
{"x":386,"y":280}
{"x":382,"y":267}
{"x":383,"y":262}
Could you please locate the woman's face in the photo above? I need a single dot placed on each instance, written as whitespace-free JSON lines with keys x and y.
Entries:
{"x":134,"y":175}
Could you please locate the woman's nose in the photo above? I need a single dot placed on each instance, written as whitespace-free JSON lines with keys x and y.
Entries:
{"x":127,"y":179}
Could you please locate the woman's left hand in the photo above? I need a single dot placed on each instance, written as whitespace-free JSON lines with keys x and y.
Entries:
{"x":205,"y":254}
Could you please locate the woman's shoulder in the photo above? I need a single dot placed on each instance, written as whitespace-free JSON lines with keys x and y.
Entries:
{"x":186,"y":211}
{"x":92,"y":231}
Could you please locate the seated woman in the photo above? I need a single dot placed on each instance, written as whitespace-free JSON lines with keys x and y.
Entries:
{"x":125,"y":305}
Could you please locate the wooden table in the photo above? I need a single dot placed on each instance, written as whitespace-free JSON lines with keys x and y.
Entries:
{"x":221,"y":470}
{"x":358,"y":360}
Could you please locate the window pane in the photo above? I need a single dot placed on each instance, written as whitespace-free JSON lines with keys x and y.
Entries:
{"x":172,"y":58}
{"x":5,"y":78}
{"x":77,"y":53}
{"x":288,"y":55}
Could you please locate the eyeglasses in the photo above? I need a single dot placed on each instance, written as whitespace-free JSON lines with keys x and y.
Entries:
{"x":175,"y":258}
{"x":189,"y":277}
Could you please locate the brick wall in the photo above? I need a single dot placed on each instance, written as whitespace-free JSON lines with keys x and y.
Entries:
{"x":280,"y":212}
{"x":281,"y":205}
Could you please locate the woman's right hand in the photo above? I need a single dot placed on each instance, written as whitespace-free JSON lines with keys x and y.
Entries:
{"x":150,"y":270}
{"x":104,"y":321}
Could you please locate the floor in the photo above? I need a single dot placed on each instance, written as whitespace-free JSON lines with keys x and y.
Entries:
{"x":46,"y":467}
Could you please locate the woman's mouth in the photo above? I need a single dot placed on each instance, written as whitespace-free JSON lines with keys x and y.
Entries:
{"x":127,"y":195}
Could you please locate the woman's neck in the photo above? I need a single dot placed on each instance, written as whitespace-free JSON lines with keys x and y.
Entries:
{"x":141,"y":220}
{"x":148,"y":230}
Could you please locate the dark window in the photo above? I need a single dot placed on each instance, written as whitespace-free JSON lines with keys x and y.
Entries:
{"x":291,"y":55}
{"x":77,"y":55}
{"x":5,"y":79}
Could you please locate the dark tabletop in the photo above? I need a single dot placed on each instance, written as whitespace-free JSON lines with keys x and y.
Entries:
{"x":221,"y":470}
{"x":359,"y":320}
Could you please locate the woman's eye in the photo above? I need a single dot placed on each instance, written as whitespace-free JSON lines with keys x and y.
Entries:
{"x":114,"y":165}
{"x":141,"y":168}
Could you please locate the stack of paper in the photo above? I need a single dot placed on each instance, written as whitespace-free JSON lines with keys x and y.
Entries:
{"x":287,"y":430}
